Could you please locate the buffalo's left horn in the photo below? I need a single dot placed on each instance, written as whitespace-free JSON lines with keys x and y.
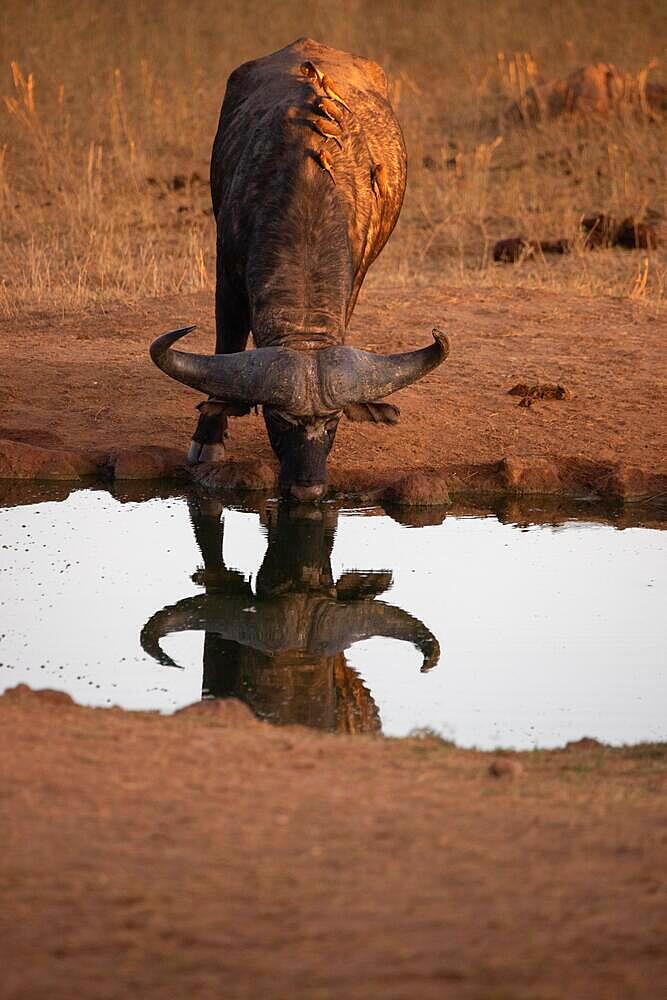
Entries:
{"x":367,"y":377}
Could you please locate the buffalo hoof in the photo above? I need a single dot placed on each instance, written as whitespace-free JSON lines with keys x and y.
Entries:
{"x":199,"y":452}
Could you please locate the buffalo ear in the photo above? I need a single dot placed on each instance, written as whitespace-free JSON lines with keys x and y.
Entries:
{"x":219,"y":408}
{"x":376,"y":413}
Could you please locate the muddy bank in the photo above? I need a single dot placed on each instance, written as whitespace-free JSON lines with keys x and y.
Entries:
{"x":83,"y":399}
{"x":207,"y":852}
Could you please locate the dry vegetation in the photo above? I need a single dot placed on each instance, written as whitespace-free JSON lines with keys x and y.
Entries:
{"x":109,"y":112}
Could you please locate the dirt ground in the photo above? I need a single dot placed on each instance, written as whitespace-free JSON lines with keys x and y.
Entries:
{"x":210,"y":855}
{"x":87,"y":383}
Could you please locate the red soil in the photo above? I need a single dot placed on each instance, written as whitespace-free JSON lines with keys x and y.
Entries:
{"x":86,"y":383}
{"x":209,"y":855}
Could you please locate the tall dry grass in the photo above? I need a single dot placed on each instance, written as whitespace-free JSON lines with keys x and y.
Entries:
{"x":107,"y":113}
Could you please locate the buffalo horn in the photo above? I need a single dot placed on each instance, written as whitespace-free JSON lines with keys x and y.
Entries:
{"x":353,"y":376}
{"x":241,"y":377}
{"x":304,"y":382}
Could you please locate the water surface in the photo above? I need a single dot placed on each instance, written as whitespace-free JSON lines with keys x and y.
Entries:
{"x":491,"y":634}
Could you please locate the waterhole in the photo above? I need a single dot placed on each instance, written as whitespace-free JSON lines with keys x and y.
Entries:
{"x":520,"y":630}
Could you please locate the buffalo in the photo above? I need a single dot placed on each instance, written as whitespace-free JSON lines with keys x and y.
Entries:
{"x":308,"y":174}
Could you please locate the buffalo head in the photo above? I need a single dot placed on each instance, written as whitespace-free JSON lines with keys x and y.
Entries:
{"x":303,"y":394}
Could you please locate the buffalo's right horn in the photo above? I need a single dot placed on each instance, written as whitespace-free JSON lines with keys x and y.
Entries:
{"x":264,"y":375}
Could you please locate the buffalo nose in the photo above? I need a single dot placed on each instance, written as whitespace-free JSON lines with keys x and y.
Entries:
{"x":305,"y":493}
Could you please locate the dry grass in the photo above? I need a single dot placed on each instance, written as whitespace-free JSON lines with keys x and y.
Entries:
{"x":108,"y":115}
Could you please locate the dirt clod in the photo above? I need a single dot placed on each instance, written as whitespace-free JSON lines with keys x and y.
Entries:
{"x":505,"y":767}
{"x":539,"y":391}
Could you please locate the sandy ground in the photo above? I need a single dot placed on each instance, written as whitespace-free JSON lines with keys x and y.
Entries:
{"x":209,"y":855}
{"x":88,"y":383}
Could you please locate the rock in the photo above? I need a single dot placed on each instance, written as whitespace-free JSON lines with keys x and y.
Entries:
{"x":513,"y":249}
{"x":530,"y":475}
{"x":22,"y":694}
{"x":235,"y":476}
{"x":627,"y":482}
{"x":594,"y":89}
{"x":418,"y":489}
{"x":505,"y":767}
{"x":585,"y":743}
{"x":634,"y":235}
{"x":599,"y":231}
{"x":20,"y":460}
{"x":228,"y":712}
{"x":148,"y":462}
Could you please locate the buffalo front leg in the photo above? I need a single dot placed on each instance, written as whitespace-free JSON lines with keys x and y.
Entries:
{"x":232,"y":327}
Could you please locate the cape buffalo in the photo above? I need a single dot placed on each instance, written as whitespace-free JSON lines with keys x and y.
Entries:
{"x":307,"y":179}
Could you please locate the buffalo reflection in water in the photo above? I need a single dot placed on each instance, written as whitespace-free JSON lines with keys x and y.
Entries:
{"x":281,"y":649}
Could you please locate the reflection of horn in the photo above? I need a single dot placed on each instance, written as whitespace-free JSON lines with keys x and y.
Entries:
{"x":294,"y":622}
{"x":360,"y":620}
{"x":176,"y":618}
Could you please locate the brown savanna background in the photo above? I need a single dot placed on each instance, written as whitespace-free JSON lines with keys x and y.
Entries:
{"x":107,"y":113}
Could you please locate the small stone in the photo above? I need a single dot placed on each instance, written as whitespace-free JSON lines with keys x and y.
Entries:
{"x":505,"y":767}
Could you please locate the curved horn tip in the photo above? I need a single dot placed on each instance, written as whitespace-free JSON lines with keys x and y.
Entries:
{"x":157,"y":653}
{"x":431,"y":657}
{"x":442,"y":340}
{"x":165,"y":341}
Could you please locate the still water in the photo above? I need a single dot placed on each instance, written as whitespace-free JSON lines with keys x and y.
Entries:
{"x":491,"y":634}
